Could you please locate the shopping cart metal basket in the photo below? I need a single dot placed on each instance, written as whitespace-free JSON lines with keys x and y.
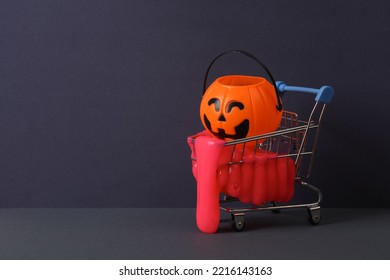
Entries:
{"x":283,"y":157}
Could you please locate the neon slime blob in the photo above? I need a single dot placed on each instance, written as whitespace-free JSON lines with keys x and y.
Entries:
{"x":252,"y":177}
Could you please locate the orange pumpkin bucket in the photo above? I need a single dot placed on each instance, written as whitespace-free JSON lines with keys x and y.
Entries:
{"x":238,"y":106}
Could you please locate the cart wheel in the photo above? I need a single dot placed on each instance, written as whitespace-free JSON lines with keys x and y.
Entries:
{"x":238,"y":221}
{"x":275,"y":211}
{"x":314,"y":215}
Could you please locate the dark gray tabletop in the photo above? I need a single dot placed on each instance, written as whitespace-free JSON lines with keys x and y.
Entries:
{"x":162,"y":233}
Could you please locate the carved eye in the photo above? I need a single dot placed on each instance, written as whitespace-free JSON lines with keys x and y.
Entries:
{"x":233,"y":104}
{"x":216,"y":102}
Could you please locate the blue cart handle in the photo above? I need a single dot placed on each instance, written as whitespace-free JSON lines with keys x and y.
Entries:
{"x":323,"y":94}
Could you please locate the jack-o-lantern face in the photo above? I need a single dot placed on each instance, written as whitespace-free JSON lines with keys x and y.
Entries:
{"x":240,"y":130}
{"x":236,"y":107}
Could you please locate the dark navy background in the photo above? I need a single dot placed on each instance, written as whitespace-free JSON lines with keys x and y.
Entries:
{"x":97,"y":97}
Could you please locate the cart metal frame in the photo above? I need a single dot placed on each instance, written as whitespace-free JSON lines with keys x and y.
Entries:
{"x":294,"y":138}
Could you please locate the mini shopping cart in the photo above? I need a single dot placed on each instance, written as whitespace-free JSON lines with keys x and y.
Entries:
{"x":289,"y":151}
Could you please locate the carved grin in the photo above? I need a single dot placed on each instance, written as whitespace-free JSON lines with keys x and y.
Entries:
{"x":241,"y":130}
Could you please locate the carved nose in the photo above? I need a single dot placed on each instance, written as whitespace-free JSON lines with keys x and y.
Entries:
{"x":222,"y":118}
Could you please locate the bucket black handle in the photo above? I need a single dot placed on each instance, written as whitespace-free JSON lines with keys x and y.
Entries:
{"x":248,"y":54}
